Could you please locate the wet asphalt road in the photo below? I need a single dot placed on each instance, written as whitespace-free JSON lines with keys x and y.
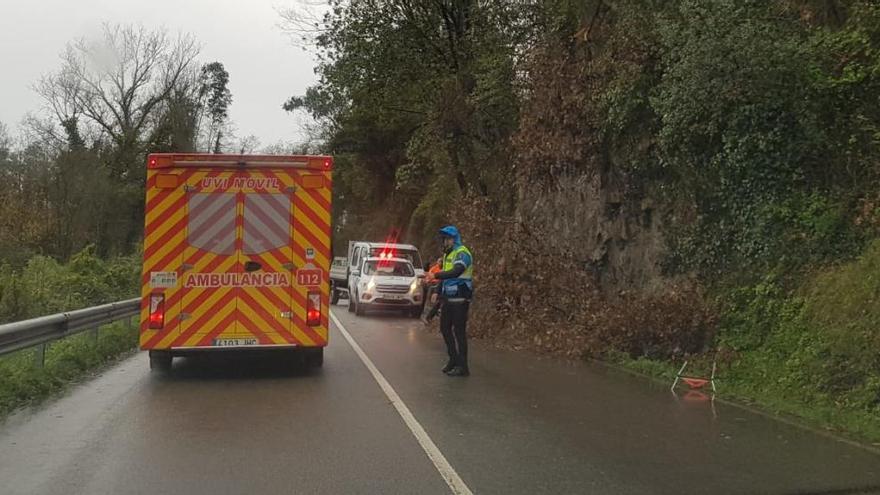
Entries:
{"x":518,"y":425}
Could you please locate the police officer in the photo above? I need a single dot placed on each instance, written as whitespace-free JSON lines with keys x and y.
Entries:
{"x":456,"y":289}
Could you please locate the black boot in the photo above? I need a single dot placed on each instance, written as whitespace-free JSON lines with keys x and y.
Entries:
{"x":459,"y":371}
{"x":450,"y":365}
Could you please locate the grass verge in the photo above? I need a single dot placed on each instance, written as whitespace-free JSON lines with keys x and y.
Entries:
{"x":857,"y":425}
{"x":23,"y":383}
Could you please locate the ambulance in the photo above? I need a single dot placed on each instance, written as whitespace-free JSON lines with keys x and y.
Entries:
{"x":236,"y":255}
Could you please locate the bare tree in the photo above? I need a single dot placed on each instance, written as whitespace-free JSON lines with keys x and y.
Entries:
{"x":178,"y":117}
{"x":305,"y":21}
{"x":248,"y":144}
{"x":118,"y":83}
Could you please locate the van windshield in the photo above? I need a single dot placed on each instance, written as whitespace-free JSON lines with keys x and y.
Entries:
{"x":388,"y":268}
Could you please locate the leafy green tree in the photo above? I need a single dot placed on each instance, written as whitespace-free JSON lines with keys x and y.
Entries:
{"x":417,"y":97}
{"x":214,"y":92}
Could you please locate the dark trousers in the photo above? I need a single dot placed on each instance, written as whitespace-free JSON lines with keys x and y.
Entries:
{"x":453,"y":326}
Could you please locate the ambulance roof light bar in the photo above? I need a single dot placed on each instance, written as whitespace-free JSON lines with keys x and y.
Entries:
{"x":168,"y":160}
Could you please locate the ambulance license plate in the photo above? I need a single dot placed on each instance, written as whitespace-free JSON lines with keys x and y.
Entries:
{"x":234,"y":342}
{"x":394,"y":297}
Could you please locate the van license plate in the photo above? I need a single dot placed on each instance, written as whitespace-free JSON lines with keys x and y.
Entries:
{"x":234,"y":342}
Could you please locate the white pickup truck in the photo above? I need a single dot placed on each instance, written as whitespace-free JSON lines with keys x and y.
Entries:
{"x":338,"y":279}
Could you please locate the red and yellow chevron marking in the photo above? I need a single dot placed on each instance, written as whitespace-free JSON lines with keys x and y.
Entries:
{"x":274,"y":315}
{"x":312,"y":230}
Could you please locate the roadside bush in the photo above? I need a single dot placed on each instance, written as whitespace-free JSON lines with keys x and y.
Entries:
{"x":814,"y":350}
{"x":841,"y":303}
{"x":45,"y":286}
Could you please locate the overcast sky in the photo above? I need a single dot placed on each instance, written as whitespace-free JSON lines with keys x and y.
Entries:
{"x":264,"y":68}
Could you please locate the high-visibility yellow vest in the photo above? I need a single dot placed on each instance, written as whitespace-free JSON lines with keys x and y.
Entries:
{"x":451,"y":287}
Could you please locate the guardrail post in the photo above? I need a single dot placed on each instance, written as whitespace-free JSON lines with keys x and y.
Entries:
{"x":95,"y":334}
{"x":40,"y":355}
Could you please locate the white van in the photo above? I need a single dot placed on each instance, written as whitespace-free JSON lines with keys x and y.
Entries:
{"x":385,"y":283}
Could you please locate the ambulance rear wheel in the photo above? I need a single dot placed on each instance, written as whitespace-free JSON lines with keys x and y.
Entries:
{"x":160,"y":361}
{"x":360,"y":308}
{"x":334,"y":295}
{"x":315,"y":358}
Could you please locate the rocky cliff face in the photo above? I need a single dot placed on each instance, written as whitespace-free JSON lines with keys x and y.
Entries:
{"x":577,"y":270}
{"x":616,"y":238}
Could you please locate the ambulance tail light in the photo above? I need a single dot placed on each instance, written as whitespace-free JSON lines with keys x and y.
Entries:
{"x":321,"y":163}
{"x":157,"y":311}
{"x":160,"y":161}
{"x":313,"y":309}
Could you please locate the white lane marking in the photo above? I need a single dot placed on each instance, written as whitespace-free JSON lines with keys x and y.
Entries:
{"x":456,"y":484}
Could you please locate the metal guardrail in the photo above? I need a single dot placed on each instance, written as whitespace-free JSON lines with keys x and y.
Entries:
{"x":39,"y":331}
